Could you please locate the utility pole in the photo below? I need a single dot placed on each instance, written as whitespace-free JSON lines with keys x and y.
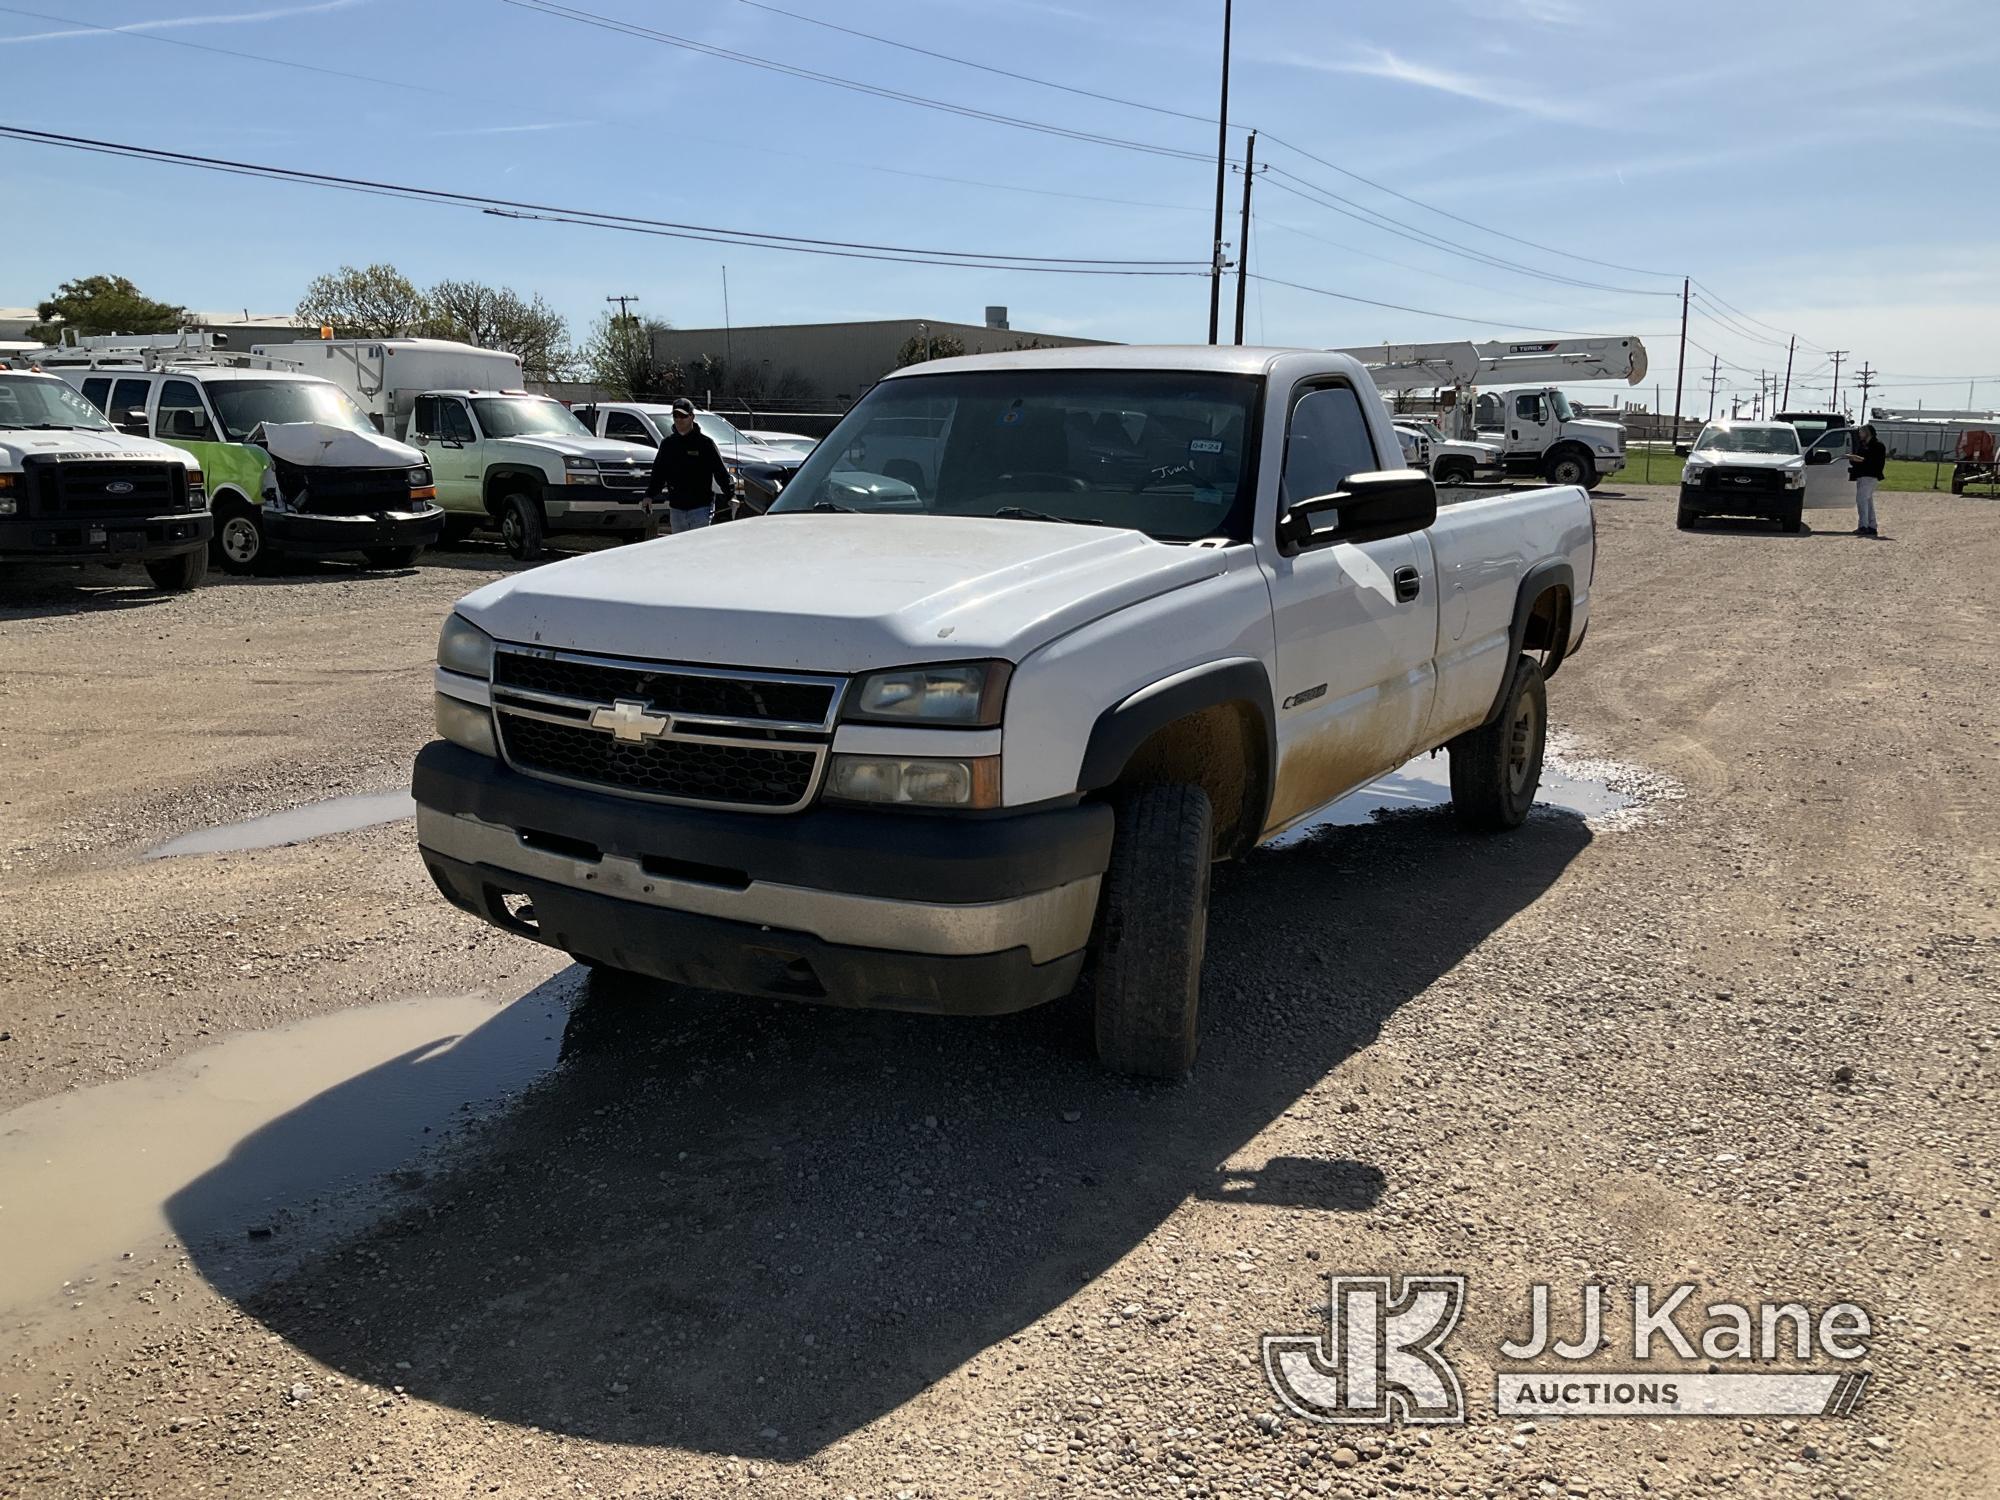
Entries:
{"x":1789,"y":352}
{"x":1680,"y":374}
{"x":1836,"y":355}
{"x":624,"y":306}
{"x":1714,"y":381}
{"x":1243,"y":237}
{"x":1221,"y":178}
{"x":728,"y":337}
{"x":1867,"y":381}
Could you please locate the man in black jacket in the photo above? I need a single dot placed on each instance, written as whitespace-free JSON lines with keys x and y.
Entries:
{"x":1865,"y":466}
{"x":689,"y":469}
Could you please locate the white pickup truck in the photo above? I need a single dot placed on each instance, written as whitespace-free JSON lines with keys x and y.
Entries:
{"x":1146,"y":609}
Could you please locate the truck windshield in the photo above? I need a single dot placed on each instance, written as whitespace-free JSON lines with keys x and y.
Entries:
{"x":41,"y":401}
{"x":1778,"y":440}
{"x":1564,"y":411}
{"x":245,"y":405}
{"x":526,"y":416}
{"x":1165,"y":452}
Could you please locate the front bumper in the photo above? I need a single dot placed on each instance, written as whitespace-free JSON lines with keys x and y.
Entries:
{"x":1726,"y":500}
{"x":113,"y":539}
{"x":591,"y":507}
{"x":307,"y":534}
{"x":968,"y":915}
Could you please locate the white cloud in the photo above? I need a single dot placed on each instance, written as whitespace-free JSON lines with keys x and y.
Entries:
{"x":1380,"y":62}
{"x":513,"y":129}
{"x":177,"y":23}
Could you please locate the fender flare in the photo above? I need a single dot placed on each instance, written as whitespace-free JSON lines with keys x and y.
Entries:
{"x":1122,"y":728}
{"x":1539,"y":580}
{"x":498,"y":481}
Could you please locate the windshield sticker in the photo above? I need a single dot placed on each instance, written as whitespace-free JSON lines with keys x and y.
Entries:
{"x":1012,"y":416}
{"x":1204,"y":445}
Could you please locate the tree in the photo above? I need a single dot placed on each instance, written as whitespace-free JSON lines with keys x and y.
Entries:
{"x":103,"y":304}
{"x":499,"y":318}
{"x":919,"y":347}
{"x":376,"y":303}
{"x":619,"y":356}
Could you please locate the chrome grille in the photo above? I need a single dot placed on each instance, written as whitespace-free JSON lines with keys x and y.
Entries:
{"x":667,"y":731}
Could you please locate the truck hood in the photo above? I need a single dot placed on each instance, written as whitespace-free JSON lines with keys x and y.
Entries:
{"x":601,"y":450}
{"x":75,"y":442}
{"x":1747,"y":460}
{"x":838,"y":593}
{"x":327,"y":445}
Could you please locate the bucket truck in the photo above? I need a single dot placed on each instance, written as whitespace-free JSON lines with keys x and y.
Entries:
{"x":1534,"y":427}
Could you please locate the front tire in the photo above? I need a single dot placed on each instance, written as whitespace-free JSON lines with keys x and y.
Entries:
{"x":1571,"y":466}
{"x":1794,"y":518}
{"x":1453,"y":471}
{"x":1685,"y":519}
{"x":179,"y":574}
{"x":1496,"y":768}
{"x":240,"y":543}
{"x":392,"y":557}
{"x":521,"y":526}
{"x":1153,"y":931}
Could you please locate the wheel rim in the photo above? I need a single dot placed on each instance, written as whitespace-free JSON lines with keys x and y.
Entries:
{"x":240,"y":540}
{"x":1569,"y":471}
{"x":1521,"y":747}
{"x":511,"y":529}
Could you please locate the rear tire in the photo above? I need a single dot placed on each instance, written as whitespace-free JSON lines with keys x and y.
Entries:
{"x":1153,"y":931}
{"x":240,"y":545}
{"x":521,"y":526}
{"x":1496,"y":768}
{"x":179,"y":574}
{"x":392,"y":557}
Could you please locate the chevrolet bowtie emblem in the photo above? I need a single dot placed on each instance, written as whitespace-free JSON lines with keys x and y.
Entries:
{"x":629,"y":719}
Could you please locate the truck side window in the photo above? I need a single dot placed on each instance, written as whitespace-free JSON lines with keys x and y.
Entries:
{"x":182,"y":414}
{"x":97,"y":391}
{"x":457,"y":422}
{"x":424,"y":421}
{"x":586,"y":415}
{"x":627,"y":428}
{"x":128,"y":395}
{"x":1328,"y":441}
{"x":1528,"y":408}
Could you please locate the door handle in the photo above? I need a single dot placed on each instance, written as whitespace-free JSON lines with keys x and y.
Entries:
{"x":1409,"y":584}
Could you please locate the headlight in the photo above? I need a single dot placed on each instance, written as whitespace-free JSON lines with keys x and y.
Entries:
{"x":464,"y":647}
{"x":967,"y":693}
{"x":581,"y":471}
{"x":1692,"y":471}
{"x":926,"y":782}
{"x":423,"y":485}
{"x":467,"y":724}
{"x":197,"y":490}
{"x":7,"y":505}
{"x":1795,"y":479}
{"x":571,"y":462}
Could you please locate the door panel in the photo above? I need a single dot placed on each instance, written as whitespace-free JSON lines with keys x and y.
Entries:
{"x":442,"y":427}
{"x":1827,"y":485}
{"x":1355,"y":664}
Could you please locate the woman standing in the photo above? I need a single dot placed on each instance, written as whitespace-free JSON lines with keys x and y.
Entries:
{"x":1864,"y":467}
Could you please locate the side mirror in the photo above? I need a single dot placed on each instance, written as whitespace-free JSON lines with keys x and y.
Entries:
{"x":135,"y":424}
{"x":1820,"y":456}
{"x":1393,"y":502}
{"x":1680,"y":450}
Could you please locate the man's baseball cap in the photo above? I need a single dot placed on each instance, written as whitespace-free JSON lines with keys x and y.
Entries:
{"x":683,"y":407}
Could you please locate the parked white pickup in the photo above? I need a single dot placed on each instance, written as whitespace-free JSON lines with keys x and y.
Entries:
{"x":1138,"y":610}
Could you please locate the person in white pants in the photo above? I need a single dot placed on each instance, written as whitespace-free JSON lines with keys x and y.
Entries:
{"x":1865,"y":466}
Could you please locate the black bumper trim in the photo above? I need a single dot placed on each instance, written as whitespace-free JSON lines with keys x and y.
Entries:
{"x":65,"y":538}
{"x":899,"y":856}
{"x":304,"y":532}
{"x":739,"y":958}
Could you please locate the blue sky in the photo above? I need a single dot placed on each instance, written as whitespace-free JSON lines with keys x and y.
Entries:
{"x":1818,"y":167}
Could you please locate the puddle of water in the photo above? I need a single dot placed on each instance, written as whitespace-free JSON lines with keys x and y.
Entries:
{"x":294,"y":826}
{"x":229,"y":1139}
{"x":1593,"y":790}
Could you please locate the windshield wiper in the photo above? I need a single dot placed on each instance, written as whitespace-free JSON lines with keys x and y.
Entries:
{"x":829,"y":506}
{"x":49,"y":427}
{"x":1022,"y":513}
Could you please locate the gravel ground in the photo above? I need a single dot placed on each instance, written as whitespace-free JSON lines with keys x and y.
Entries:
{"x":1742,"y":1037}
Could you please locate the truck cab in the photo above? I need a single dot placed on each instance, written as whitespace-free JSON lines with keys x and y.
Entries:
{"x":933,"y":743}
{"x":1539,"y":433}
{"x":525,"y":465}
{"x":73,"y":488}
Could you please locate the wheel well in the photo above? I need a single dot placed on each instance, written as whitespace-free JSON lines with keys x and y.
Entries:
{"x":1548,"y":628}
{"x":500,"y":483}
{"x":230,"y":499}
{"x":1222,"y":749}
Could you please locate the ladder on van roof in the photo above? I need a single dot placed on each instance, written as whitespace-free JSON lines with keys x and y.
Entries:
{"x":156,"y":351}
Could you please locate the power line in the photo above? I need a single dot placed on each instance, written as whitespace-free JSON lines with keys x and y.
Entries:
{"x":760,"y":239}
{"x":1348,"y":208}
{"x":853,"y":85}
{"x":1717,"y":297}
{"x":1424,"y":312}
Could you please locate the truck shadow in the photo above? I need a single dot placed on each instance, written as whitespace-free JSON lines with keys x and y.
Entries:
{"x":42,"y":591}
{"x":753,"y":1228}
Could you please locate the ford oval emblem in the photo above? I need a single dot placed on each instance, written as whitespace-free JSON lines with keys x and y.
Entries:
{"x":118,"y":487}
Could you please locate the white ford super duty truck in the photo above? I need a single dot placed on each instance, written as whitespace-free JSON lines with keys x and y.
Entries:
{"x":933,"y":745}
